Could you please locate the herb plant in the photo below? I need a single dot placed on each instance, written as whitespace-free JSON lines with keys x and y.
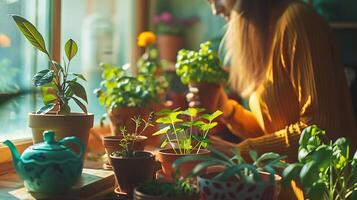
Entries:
{"x":57,"y":84}
{"x":325,"y":168}
{"x":188,"y":129}
{"x":128,"y":141}
{"x":236,"y":167}
{"x":119,"y":90}
{"x":180,"y":187}
{"x":203,"y":66}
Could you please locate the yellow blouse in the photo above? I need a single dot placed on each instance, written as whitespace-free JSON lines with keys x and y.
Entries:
{"x":305,"y":84}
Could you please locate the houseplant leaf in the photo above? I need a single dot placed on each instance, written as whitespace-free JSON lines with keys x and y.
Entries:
{"x":70,"y":49}
{"x":31,"y":33}
{"x":46,"y":108}
{"x":78,"y":90}
{"x":291,"y":172}
{"x":43,"y":77}
{"x":80,"y":104}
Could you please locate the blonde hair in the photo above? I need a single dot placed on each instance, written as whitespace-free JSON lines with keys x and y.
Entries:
{"x":246,"y":43}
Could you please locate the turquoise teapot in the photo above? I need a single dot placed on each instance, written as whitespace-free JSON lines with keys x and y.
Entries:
{"x":49,"y":167}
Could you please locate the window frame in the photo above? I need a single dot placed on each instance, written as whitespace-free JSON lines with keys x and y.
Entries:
{"x":54,"y":27}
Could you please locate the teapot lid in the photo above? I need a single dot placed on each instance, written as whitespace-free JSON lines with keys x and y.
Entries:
{"x":48,"y":151}
{"x":50,"y":143}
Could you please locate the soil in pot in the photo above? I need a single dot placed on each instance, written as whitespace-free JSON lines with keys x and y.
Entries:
{"x":167,"y":157}
{"x":73,"y":124}
{"x":233,"y":189}
{"x":111,"y":144}
{"x":161,"y":191}
{"x":120,"y":117}
{"x":133,"y":171}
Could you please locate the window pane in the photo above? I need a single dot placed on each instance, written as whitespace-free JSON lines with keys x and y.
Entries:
{"x":18,"y":63}
{"x":103,"y":32}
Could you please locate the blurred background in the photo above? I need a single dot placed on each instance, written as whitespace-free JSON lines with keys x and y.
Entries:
{"x":106,"y":31}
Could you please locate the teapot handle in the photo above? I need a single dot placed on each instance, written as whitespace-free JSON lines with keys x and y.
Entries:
{"x":77,"y":142}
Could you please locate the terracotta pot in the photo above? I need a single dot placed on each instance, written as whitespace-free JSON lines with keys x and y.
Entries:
{"x":230,"y":190}
{"x":167,"y":157}
{"x":208,"y":95}
{"x":131,"y":172}
{"x":111,"y":143}
{"x":73,"y":124}
{"x":140,"y":195}
{"x":169,"y":45}
{"x":120,"y":117}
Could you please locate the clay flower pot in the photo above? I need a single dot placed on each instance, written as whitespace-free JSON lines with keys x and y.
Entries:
{"x":230,"y":190}
{"x":208,"y":95}
{"x":140,"y":194}
{"x":167,"y":157}
{"x":120,"y":117}
{"x":169,"y":45}
{"x":73,"y":124}
{"x":111,"y":143}
{"x":133,"y":171}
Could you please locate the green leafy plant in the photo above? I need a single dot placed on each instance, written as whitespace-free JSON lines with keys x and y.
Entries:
{"x":189,"y":129}
{"x":236,"y":167}
{"x":128,"y":141}
{"x":325,"y":168}
{"x":180,"y":187}
{"x":120,"y":90}
{"x":58,"y":85}
{"x":203,"y":66}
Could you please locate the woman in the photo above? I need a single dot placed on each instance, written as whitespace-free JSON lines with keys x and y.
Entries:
{"x":282,"y":57}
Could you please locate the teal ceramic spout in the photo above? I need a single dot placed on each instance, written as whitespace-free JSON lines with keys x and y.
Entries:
{"x":15,"y":154}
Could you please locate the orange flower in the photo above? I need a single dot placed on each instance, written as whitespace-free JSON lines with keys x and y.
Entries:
{"x":4,"y":41}
{"x":146,"y":38}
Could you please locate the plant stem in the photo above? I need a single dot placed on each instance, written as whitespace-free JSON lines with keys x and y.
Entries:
{"x":205,"y":135}
{"x":178,"y":142}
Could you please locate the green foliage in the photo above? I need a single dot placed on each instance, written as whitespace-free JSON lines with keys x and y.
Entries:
{"x":128,"y":141}
{"x":203,"y":66}
{"x":119,"y":90}
{"x":324,"y":168}
{"x":190,"y":130}
{"x":58,"y":86}
{"x":236,"y":166}
{"x":181,"y":187}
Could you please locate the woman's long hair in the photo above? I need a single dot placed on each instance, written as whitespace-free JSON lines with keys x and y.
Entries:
{"x":246,"y":43}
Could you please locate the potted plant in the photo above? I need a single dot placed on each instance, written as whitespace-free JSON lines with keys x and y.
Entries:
{"x":186,"y":134}
{"x":179,"y":189}
{"x":237,"y":179}
{"x":125,"y":96}
{"x":202,"y":70}
{"x":132,"y":167}
{"x":58,"y":87}
{"x":325,"y":168}
{"x":170,"y":32}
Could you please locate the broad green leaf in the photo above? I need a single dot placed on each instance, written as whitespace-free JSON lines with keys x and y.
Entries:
{"x":45,"y":109}
{"x":70,"y":49}
{"x":31,"y":33}
{"x":309,"y":173}
{"x":48,"y":93}
{"x":80,"y":76}
{"x":187,"y":143}
{"x":254,"y":155}
{"x":162,"y":131}
{"x":305,"y":136}
{"x":233,"y":171}
{"x":78,"y":90}
{"x":322,"y":156}
{"x":302,"y":154}
{"x":291,"y":172}
{"x":211,"y":117}
{"x":192,"y":112}
{"x":80,"y":104}
{"x":43,"y":77}
{"x":208,"y":126}
{"x":65,"y":109}
{"x":163,"y":120}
